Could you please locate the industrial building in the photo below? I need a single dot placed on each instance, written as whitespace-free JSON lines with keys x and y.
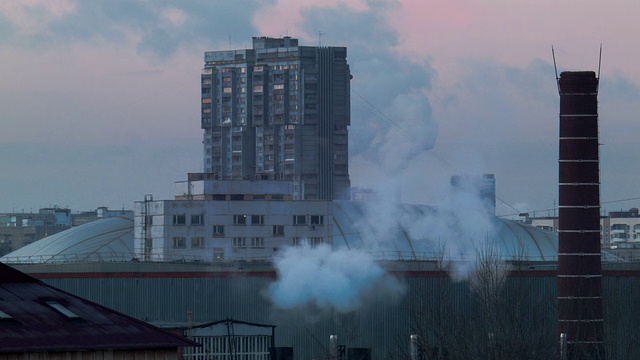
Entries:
{"x":185,"y":284}
{"x":191,"y":288}
{"x":279,"y":111}
{"x":38,"y":321}
{"x":444,"y":312}
{"x":453,"y":283}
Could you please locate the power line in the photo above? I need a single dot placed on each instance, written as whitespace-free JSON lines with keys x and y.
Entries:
{"x":382,"y":116}
{"x":552,"y":209}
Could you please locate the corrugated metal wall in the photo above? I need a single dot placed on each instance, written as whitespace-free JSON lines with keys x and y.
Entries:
{"x":444,"y":312}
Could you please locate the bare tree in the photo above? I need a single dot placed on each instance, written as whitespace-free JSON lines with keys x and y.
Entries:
{"x":495,"y":314}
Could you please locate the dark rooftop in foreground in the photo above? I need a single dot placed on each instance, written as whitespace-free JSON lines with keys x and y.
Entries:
{"x":37,"y":317}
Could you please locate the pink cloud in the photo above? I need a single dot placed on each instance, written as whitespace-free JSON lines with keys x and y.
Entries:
{"x":33,"y":16}
{"x":517,"y":32}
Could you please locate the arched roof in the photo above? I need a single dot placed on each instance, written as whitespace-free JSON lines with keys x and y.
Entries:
{"x":106,"y":239}
{"x":111,"y":239}
{"x":422,"y":232}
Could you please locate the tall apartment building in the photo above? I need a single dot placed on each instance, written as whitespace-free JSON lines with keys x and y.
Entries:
{"x":279,"y":111}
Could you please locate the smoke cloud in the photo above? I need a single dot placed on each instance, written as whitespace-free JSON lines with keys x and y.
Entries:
{"x":453,"y":229}
{"x":393,"y":130}
{"x":329,"y":279}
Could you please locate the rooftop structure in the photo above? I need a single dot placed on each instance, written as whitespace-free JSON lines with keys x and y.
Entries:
{"x":210,"y":233}
{"x":278,"y":111}
{"x":39,"y":319}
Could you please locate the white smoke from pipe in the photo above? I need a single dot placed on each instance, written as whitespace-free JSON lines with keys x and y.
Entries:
{"x":392,"y":128}
{"x":454,"y":229}
{"x":329,"y":279}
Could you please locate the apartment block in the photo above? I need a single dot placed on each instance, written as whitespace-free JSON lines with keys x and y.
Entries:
{"x":278,"y":111}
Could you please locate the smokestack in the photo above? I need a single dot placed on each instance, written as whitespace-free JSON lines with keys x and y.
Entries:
{"x":333,"y":347}
{"x":579,"y":261}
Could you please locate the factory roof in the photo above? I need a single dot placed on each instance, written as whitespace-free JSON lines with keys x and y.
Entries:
{"x":36,"y":317}
{"x":108,"y":239}
{"x":414,"y":232}
{"x":423,"y":232}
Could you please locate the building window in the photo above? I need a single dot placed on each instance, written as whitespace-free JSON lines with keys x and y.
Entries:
{"x":298,"y":241}
{"x":239,"y":242}
{"x":218,"y":230}
{"x":218,"y":253}
{"x":317,"y":219}
{"x":197,"y":242}
{"x":257,"y":88}
{"x":257,"y":219}
{"x":179,"y":242}
{"x":179,"y":219}
{"x":240,"y":219}
{"x":197,"y":219}
{"x":257,"y":242}
{"x":316,"y":241}
{"x":299,"y":219}
{"x":278,"y":230}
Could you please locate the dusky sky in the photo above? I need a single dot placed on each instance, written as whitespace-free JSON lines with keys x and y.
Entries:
{"x":99,"y":100}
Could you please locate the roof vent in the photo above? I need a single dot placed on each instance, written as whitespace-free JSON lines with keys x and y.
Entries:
{"x":62,"y":310}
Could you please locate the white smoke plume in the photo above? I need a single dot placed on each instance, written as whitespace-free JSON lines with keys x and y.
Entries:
{"x":329,"y":279}
{"x":453,"y":229}
{"x":392,"y":130}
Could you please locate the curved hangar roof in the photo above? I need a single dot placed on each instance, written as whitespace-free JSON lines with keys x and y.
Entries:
{"x":108,"y":239}
{"x":111,"y":239}
{"x":513,"y":240}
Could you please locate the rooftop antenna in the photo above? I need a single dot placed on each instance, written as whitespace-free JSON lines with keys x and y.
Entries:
{"x":229,"y":40}
{"x":320,"y":33}
{"x":599,"y":63}
{"x":553,"y":54}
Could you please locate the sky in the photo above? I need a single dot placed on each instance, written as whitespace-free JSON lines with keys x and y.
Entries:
{"x":99,"y":100}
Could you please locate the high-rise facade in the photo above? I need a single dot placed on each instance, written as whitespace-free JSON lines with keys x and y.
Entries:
{"x":279,"y":111}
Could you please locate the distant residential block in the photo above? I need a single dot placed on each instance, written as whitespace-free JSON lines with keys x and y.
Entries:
{"x":278,"y":111}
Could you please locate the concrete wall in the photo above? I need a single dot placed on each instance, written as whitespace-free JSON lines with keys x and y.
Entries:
{"x":172,"y":223}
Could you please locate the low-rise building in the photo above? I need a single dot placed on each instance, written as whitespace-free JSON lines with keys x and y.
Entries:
{"x":618,"y":229}
{"x":211,"y":220}
{"x":19,"y":229}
